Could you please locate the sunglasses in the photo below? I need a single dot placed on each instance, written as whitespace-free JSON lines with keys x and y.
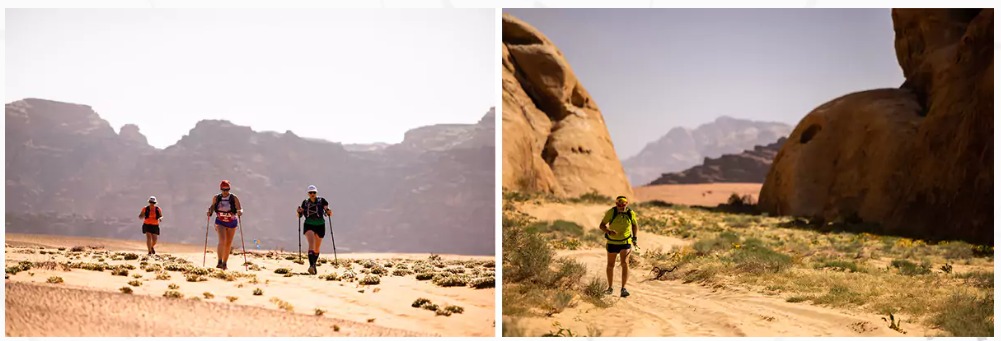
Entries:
{"x":312,"y":192}
{"x":225,"y":189}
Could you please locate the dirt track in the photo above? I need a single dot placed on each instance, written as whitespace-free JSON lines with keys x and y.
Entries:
{"x":38,"y":310}
{"x":673,"y":309}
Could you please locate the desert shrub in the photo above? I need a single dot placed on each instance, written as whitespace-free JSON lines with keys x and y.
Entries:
{"x":420,"y":302}
{"x":118,"y":271}
{"x":756,"y":258}
{"x":908,"y":268}
{"x":482,"y":282}
{"x":331,"y":277}
{"x":208,"y":295}
{"x":173,"y":286}
{"x":130,"y":256}
{"x":978,"y":279}
{"x":725,"y":241}
{"x":838,"y":265}
{"x":163,"y":276}
{"x":125,"y":290}
{"x":195,"y":278}
{"x":558,"y":303}
{"x":232,"y":299}
{"x":967,"y":315}
{"x":173,"y":294}
{"x":282,"y":271}
{"x":425,"y":276}
{"x":592,"y":197}
{"x":55,"y":280}
{"x":402,"y":272}
{"x":569,"y":273}
{"x":371,"y":280}
{"x":529,"y":256}
{"x":258,"y":292}
{"x":136,"y":283}
{"x":449,"y":280}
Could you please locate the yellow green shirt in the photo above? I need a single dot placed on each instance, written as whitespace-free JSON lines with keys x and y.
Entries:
{"x":622,"y":227}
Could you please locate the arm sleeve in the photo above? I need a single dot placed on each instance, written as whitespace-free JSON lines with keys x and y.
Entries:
{"x":608,"y":217}
{"x":325,"y":203}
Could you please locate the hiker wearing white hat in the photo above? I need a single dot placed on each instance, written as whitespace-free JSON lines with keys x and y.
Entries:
{"x":151,"y":216}
{"x":313,"y":208}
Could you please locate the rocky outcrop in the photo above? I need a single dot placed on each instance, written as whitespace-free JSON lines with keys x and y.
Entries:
{"x":917,"y":160}
{"x":684,"y":148}
{"x":78,"y":177}
{"x":555,"y":139}
{"x":751,"y":166}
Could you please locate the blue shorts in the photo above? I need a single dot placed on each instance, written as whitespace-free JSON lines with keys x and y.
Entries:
{"x":230,"y":224}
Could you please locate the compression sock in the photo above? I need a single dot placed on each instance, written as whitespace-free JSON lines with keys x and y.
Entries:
{"x":312,"y":258}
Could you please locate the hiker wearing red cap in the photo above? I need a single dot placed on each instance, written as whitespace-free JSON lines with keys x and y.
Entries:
{"x":227,"y":209}
{"x":151,"y":216}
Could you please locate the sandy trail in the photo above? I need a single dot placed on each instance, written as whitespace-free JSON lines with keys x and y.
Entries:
{"x":673,"y":309}
{"x":39,"y":310}
{"x":386,"y":304}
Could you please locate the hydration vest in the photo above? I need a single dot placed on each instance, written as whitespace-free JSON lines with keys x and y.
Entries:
{"x":629,"y":216}
{"x":232,"y":203}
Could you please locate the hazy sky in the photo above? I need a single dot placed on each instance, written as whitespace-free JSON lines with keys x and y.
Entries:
{"x":650,"y":70}
{"x":346,"y":75}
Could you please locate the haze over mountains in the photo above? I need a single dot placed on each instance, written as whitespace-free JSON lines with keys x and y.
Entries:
{"x":683,"y":148}
{"x":68,"y":172}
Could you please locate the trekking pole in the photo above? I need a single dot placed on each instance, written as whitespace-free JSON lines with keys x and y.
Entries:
{"x":299,"y":237}
{"x":245,"y":265}
{"x":332,"y":239}
{"x":205,"y":251}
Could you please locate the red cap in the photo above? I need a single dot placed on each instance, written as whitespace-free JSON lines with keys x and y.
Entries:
{"x":225,"y":184}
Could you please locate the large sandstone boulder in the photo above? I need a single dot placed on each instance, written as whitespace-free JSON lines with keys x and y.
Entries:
{"x":751,"y":166}
{"x":555,"y":139}
{"x":918,"y":160}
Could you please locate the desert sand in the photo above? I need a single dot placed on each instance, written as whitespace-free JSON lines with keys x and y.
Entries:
{"x":673,"y":309}
{"x":357,"y":309}
{"x":708,"y":195}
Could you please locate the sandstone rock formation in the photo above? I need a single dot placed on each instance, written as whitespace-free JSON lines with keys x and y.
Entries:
{"x":68,"y":172}
{"x":684,"y":148}
{"x":751,"y":166}
{"x":917,"y":160}
{"x":555,"y":139}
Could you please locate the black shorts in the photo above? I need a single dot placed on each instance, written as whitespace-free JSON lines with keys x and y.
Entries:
{"x":617,"y":249}
{"x":154,"y":229}
{"x":320,"y":230}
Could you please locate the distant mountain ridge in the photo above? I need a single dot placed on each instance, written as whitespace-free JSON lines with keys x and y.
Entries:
{"x":751,"y":166}
{"x":68,"y":172}
{"x":683,"y":148}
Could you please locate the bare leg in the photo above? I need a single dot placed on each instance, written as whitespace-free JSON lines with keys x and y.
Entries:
{"x":610,"y":270}
{"x":149,"y":242}
{"x":230,"y":233}
{"x":319,"y":241}
{"x":221,"y":249}
{"x":153,"y":245}
{"x":625,"y":267}
{"x":310,"y":241}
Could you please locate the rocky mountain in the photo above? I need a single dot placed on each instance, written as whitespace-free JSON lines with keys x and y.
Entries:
{"x":684,"y":148}
{"x":751,"y":166}
{"x":917,"y":160}
{"x":555,"y":138}
{"x":68,"y":172}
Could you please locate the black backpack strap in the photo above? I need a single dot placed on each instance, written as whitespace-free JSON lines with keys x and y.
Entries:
{"x":146,"y":212}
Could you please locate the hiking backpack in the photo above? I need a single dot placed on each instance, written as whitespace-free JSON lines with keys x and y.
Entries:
{"x":319,"y":209}
{"x":146,"y":213}
{"x":629,"y":217}
{"x":232,"y":203}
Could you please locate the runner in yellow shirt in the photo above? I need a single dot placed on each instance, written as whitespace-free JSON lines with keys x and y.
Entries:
{"x":620,"y":227}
